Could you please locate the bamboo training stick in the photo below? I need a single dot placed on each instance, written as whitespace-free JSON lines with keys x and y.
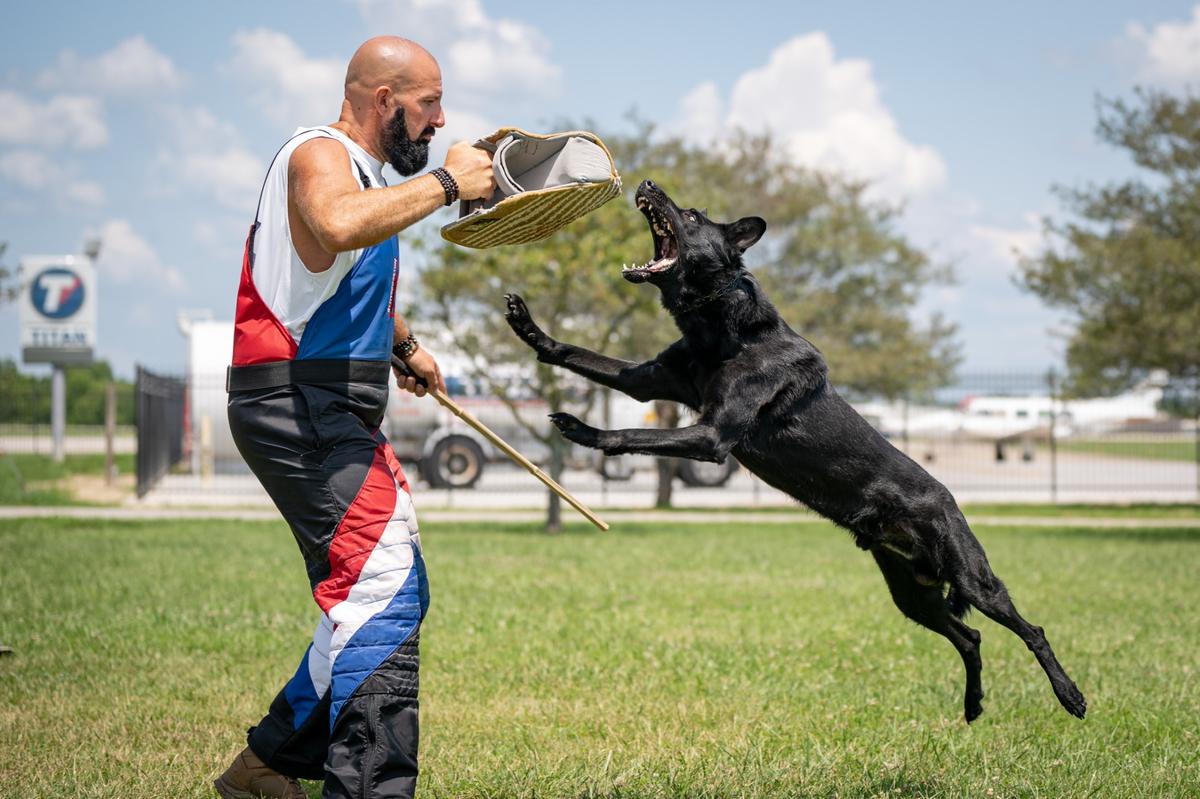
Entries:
{"x":506,"y":448}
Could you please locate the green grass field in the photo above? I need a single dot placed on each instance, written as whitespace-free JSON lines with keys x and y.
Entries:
{"x":1137,"y":510}
{"x":38,"y":480}
{"x":653,"y":661}
{"x":1178,"y":450}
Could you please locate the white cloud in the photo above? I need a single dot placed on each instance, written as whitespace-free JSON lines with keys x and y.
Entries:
{"x":290,"y":86}
{"x":1169,"y":53}
{"x":461,"y":125}
{"x":490,"y":62}
{"x":232,"y":175}
{"x":38,"y":173}
{"x":207,"y":155}
{"x":1003,"y":245}
{"x":126,"y":257}
{"x":132,"y":68}
{"x":64,"y":120}
{"x":700,"y":113}
{"x":490,"y":66}
{"x":86,"y":192}
{"x":824,"y":112}
{"x":425,"y":21}
{"x":504,"y":57}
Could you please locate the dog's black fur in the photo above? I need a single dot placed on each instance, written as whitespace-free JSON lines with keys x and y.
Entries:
{"x":761,"y":393}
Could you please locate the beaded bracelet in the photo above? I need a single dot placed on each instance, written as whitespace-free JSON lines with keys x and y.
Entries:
{"x":449,"y":184}
{"x":405,"y":347}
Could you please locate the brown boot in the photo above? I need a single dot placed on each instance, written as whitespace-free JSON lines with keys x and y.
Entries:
{"x":250,"y":778}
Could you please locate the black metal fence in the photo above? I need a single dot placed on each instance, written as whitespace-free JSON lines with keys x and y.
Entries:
{"x":161,"y":417}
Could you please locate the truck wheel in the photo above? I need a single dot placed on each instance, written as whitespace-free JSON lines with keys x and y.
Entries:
{"x":707,"y":475}
{"x":456,"y":462}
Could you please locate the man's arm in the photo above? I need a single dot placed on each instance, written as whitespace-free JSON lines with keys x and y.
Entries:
{"x":341,"y":217}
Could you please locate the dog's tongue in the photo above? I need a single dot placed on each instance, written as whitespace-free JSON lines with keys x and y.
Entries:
{"x":670,"y":249}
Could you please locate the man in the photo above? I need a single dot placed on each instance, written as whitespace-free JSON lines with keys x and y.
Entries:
{"x":314,"y":331}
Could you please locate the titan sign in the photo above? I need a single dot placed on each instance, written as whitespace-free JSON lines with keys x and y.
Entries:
{"x":58,"y":310}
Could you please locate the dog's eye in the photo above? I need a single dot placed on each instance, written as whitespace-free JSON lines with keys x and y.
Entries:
{"x":689,"y":216}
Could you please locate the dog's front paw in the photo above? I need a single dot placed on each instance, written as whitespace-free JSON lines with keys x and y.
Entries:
{"x":516,"y":313}
{"x":575,"y":430}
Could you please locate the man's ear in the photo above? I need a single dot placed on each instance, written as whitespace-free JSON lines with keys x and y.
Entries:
{"x":380,"y":98}
{"x":743,"y":233}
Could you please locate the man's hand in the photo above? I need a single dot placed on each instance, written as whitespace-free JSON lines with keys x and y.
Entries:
{"x":471,"y":168}
{"x":422,"y":365}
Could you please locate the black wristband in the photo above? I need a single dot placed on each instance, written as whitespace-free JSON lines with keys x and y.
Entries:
{"x":405,"y":347}
{"x":449,"y":184}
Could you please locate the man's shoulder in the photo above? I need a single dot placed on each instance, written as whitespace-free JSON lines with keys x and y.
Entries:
{"x":318,"y":151}
{"x":318,"y":144}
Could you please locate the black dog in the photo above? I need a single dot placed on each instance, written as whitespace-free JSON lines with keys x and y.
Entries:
{"x":761,"y":393}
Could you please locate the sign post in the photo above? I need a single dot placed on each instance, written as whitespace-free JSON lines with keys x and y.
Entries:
{"x":58,"y":324}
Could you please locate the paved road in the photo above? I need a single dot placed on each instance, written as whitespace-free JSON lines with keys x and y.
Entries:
{"x":969,"y":470}
{"x":42,"y":443}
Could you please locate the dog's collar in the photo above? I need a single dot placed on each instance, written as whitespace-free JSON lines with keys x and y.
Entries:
{"x":712,"y":296}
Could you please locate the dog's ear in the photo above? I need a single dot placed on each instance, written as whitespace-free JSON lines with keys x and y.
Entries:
{"x":743,"y":233}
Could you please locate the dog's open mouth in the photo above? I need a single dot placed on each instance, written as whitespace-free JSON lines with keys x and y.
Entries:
{"x":666,"y":246}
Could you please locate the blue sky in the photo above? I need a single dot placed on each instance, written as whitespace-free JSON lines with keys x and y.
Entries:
{"x":151,"y":123}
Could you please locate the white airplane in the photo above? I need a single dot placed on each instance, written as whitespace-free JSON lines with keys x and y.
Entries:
{"x":1008,"y":419}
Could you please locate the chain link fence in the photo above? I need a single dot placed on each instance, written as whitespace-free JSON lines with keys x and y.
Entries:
{"x":991,"y":437}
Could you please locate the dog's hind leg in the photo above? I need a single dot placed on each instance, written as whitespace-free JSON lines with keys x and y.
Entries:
{"x":973,"y":577}
{"x":925,"y":605}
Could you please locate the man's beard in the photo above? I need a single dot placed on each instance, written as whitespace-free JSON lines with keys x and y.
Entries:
{"x":406,"y":156}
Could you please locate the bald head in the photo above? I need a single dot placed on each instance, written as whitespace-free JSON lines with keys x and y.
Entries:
{"x":392,"y":81}
{"x":385,"y":61}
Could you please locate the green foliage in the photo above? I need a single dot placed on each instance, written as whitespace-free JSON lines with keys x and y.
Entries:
{"x":8,"y":285}
{"x":25,"y":399}
{"x":27,"y":479}
{"x":832,"y":260}
{"x":1126,"y":264}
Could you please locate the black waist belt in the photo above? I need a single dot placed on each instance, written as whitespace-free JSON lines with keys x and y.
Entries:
{"x":312,"y":372}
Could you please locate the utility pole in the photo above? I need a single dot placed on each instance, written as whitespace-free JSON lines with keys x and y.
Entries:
{"x":58,"y":411}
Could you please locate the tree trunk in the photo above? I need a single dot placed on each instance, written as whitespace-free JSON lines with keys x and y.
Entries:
{"x":667,"y":414}
{"x":554,"y":506}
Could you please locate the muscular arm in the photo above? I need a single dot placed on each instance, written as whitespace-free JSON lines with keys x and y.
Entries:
{"x":336,"y":215}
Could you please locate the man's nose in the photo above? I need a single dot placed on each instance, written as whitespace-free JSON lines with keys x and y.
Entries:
{"x":439,"y":121}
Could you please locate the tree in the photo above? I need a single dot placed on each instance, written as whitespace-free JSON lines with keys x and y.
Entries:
{"x":8,"y":286}
{"x":832,"y":262}
{"x":25,"y":399}
{"x":1126,"y":264}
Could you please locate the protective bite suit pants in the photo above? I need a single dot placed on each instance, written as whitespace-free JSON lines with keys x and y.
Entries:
{"x":349,"y":714}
